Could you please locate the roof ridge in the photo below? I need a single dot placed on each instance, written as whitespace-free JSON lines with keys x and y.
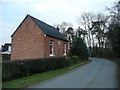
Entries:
{"x":41,"y":21}
{"x":48,"y":29}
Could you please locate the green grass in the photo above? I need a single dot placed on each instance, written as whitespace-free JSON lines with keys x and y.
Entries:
{"x":34,"y":79}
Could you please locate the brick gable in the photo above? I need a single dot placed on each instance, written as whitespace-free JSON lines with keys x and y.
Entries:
{"x":29,"y":41}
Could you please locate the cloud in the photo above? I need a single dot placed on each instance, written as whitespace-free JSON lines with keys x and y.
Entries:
{"x":57,"y":6}
{"x":18,"y":1}
{"x":68,"y":1}
{"x":50,"y":11}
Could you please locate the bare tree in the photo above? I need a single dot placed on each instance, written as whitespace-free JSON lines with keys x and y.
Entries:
{"x":95,"y":26}
{"x":115,"y":11}
{"x":99,"y":28}
{"x":62,"y":27}
{"x":81,"y":33}
{"x":85,"y":21}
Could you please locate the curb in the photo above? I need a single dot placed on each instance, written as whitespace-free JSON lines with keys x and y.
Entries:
{"x":83,"y":64}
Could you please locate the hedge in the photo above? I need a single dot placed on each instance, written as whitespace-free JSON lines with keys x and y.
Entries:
{"x":20,"y":68}
{"x":6,"y":56}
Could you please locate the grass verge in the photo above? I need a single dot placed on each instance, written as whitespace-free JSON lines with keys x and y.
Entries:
{"x":34,"y":79}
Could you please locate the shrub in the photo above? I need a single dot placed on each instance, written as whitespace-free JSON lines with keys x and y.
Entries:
{"x":20,"y":68}
{"x":6,"y":56}
{"x":68,"y":61}
{"x":79,"y":48}
{"x":75,"y":59}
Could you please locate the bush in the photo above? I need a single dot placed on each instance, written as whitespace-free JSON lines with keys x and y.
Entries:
{"x":79,"y":48}
{"x":68,"y":61}
{"x":6,"y":56}
{"x":20,"y":68}
{"x":75,"y":59}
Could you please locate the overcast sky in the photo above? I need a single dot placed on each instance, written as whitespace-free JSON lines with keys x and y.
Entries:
{"x":49,"y":11}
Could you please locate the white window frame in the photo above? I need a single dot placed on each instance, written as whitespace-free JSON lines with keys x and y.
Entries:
{"x":9,"y":48}
{"x":68,"y":45}
{"x":51,"y":43}
{"x":64,"y":49}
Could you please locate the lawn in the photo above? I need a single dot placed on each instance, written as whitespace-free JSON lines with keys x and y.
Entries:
{"x":34,"y":79}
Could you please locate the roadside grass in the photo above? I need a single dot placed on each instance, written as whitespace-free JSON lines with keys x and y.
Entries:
{"x":34,"y":79}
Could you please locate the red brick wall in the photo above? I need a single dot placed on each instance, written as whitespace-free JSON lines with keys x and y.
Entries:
{"x":58,"y":49}
{"x":27,"y":41}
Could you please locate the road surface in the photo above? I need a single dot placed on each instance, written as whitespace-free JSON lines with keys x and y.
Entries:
{"x":100,"y":73}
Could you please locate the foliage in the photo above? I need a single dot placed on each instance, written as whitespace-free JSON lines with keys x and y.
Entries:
{"x":33,"y":79}
{"x":75,"y":59}
{"x":114,"y":38}
{"x":113,"y":34}
{"x":6,"y":56}
{"x":21,"y":68}
{"x":85,"y":20}
{"x":66,"y":29}
{"x":93,"y":31}
{"x":68,"y":60}
{"x":62,"y":27}
{"x":79,"y":48}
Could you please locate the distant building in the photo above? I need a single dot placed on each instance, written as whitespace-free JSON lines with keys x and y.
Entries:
{"x":36,"y":39}
{"x":6,"y":48}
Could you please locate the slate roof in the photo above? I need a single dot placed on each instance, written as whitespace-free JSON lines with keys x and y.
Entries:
{"x":48,"y":30}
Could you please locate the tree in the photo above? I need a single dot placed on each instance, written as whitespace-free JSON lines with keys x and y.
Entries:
{"x":94,"y":29}
{"x":99,"y":28}
{"x":66,"y":29}
{"x":81,"y":33}
{"x":62,"y":27}
{"x":114,"y":38}
{"x":86,"y":22}
{"x":79,"y":48}
{"x":113,"y":34}
{"x":70,"y":34}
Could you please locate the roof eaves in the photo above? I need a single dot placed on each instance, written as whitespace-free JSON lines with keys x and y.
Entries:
{"x":57,"y":38}
{"x":36,"y":21}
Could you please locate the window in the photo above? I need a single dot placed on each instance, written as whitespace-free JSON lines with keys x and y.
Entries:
{"x":51,"y":47}
{"x":9,"y":48}
{"x":64,"y":51}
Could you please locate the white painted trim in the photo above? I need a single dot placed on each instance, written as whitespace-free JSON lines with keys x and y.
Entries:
{"x":45,"y":35}
{"x":65,"y":49}
{"x":51,"y":55}
{"x":52,"y":48}
{"x":64,"y":54}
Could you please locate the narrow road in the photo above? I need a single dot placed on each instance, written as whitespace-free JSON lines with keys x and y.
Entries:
{"x":100,"y":73}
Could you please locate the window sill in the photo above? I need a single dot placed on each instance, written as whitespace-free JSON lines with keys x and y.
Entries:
{"x":51,"y":55}
{"x":64,"y":54}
